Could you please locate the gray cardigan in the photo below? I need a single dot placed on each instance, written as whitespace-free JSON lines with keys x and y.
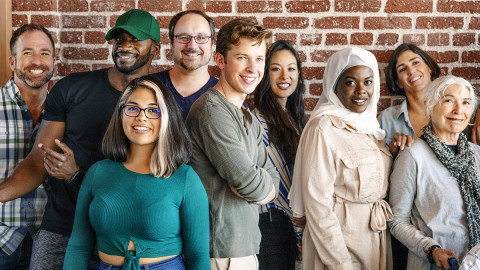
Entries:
{"x":227,"y":149}
{"x":427,"y":204}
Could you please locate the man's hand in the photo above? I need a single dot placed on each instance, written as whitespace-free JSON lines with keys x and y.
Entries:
{"x":60,"y":166}
{"x":235,"y":191}
{"x":268,"y":199}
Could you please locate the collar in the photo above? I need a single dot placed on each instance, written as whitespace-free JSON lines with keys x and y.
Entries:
{"x":12,"y":90}
{"x":402,"y":109}
{"x":338,"y":123}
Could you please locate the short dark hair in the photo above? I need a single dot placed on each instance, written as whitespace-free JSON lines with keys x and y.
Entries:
{"x":284,"y":127}
{"x":391,"y":73}
{"x":176,"y":17}
{"x":29,"y":27}
{"x":231,"y":33}
{"x":173,"y":147}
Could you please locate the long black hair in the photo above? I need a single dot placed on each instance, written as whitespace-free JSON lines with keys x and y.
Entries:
{"x":284,"y":127}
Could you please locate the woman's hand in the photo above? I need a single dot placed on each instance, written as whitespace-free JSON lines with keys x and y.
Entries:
{"x":299,"y":221}
{"x":399,"y":141}
{"x":441,"y":256}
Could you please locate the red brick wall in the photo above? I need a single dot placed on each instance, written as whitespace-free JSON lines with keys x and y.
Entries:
{"x":447,"y":29}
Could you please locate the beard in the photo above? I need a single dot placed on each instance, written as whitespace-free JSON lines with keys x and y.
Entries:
{"x":189,"y":65}
{"x":141,"y":60}
{"x":33,"y":81}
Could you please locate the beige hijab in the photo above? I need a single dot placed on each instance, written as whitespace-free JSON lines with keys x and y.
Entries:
{"x":329,"y":104}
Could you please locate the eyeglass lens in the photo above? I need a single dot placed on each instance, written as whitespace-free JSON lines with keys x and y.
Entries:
{"x":134,"y":111}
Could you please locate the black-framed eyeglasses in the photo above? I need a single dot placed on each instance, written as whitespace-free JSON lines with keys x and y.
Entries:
{"x":184,"y":38}
{"x":134,"y":111}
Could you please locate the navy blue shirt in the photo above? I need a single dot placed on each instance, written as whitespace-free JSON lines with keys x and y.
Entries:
{"x":184,"y":103}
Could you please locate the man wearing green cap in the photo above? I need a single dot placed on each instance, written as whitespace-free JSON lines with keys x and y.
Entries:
{"x":77,"y":113}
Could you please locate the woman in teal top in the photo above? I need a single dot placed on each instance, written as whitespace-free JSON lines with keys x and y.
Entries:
{"x":143,"y":205}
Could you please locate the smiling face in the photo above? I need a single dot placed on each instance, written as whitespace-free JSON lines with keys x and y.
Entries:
{"x":413,"y":73}
{"x":141,"y":130}
{"x":283,"y":75}
{"x":242,"y":68}
{"x":129,"y":53}
{"x":355,"y":88}
{"x":192,"y":56}
{"x":451,"y":114}
{"x":33,"y":61}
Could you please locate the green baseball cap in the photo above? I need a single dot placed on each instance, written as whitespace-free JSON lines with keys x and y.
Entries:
{"x":139,"y":23}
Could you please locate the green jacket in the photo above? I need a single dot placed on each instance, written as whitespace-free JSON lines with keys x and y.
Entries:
{"x":228,"y":149}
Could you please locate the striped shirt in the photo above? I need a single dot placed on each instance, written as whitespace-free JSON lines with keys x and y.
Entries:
{"x":284,"y":169}
{"x":22,"y":215}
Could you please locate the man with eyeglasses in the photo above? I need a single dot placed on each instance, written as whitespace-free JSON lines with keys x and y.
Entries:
{"x":77,"y":112}
{"x":191,"y":34}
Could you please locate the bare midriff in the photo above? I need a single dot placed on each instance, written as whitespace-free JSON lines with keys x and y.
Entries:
{"x":118,"y":260}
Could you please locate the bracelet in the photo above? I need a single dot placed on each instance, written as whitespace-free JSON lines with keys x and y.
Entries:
{"x":429,"y":253}
{"x":74,"y":175}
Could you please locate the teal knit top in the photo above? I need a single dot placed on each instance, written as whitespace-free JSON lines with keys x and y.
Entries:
{"x":162,"y":216}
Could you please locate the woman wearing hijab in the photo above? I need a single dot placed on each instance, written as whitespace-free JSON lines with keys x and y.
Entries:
{"x":342,"y":168}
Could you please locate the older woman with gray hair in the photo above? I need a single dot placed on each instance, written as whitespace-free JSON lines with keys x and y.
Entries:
{"x":435,"y":188}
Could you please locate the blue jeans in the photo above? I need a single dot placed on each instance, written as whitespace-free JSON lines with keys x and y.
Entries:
{"x":175,"y":263}
{"x":20,"y":258}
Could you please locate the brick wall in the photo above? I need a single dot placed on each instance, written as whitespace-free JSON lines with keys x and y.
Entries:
{"x":446,"y":29}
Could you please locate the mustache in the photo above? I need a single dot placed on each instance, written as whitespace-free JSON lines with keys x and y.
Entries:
{"x":192,"y":51}
{"x":33,"y":66}
{"x":122,"y":53}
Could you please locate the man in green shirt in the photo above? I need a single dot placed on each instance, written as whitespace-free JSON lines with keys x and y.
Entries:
{"x":229,"y":155}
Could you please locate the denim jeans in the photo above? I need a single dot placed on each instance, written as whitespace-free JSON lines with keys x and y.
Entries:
{"x":278,"y":248}
{"x":175,"y":263}
{"x":20,"y":258}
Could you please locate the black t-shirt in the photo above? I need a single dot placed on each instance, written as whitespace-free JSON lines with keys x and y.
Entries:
{"x":184,"y":103}
{"x":85,"y":103}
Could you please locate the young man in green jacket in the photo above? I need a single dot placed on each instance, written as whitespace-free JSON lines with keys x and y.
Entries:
{"x":229,"y":155}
